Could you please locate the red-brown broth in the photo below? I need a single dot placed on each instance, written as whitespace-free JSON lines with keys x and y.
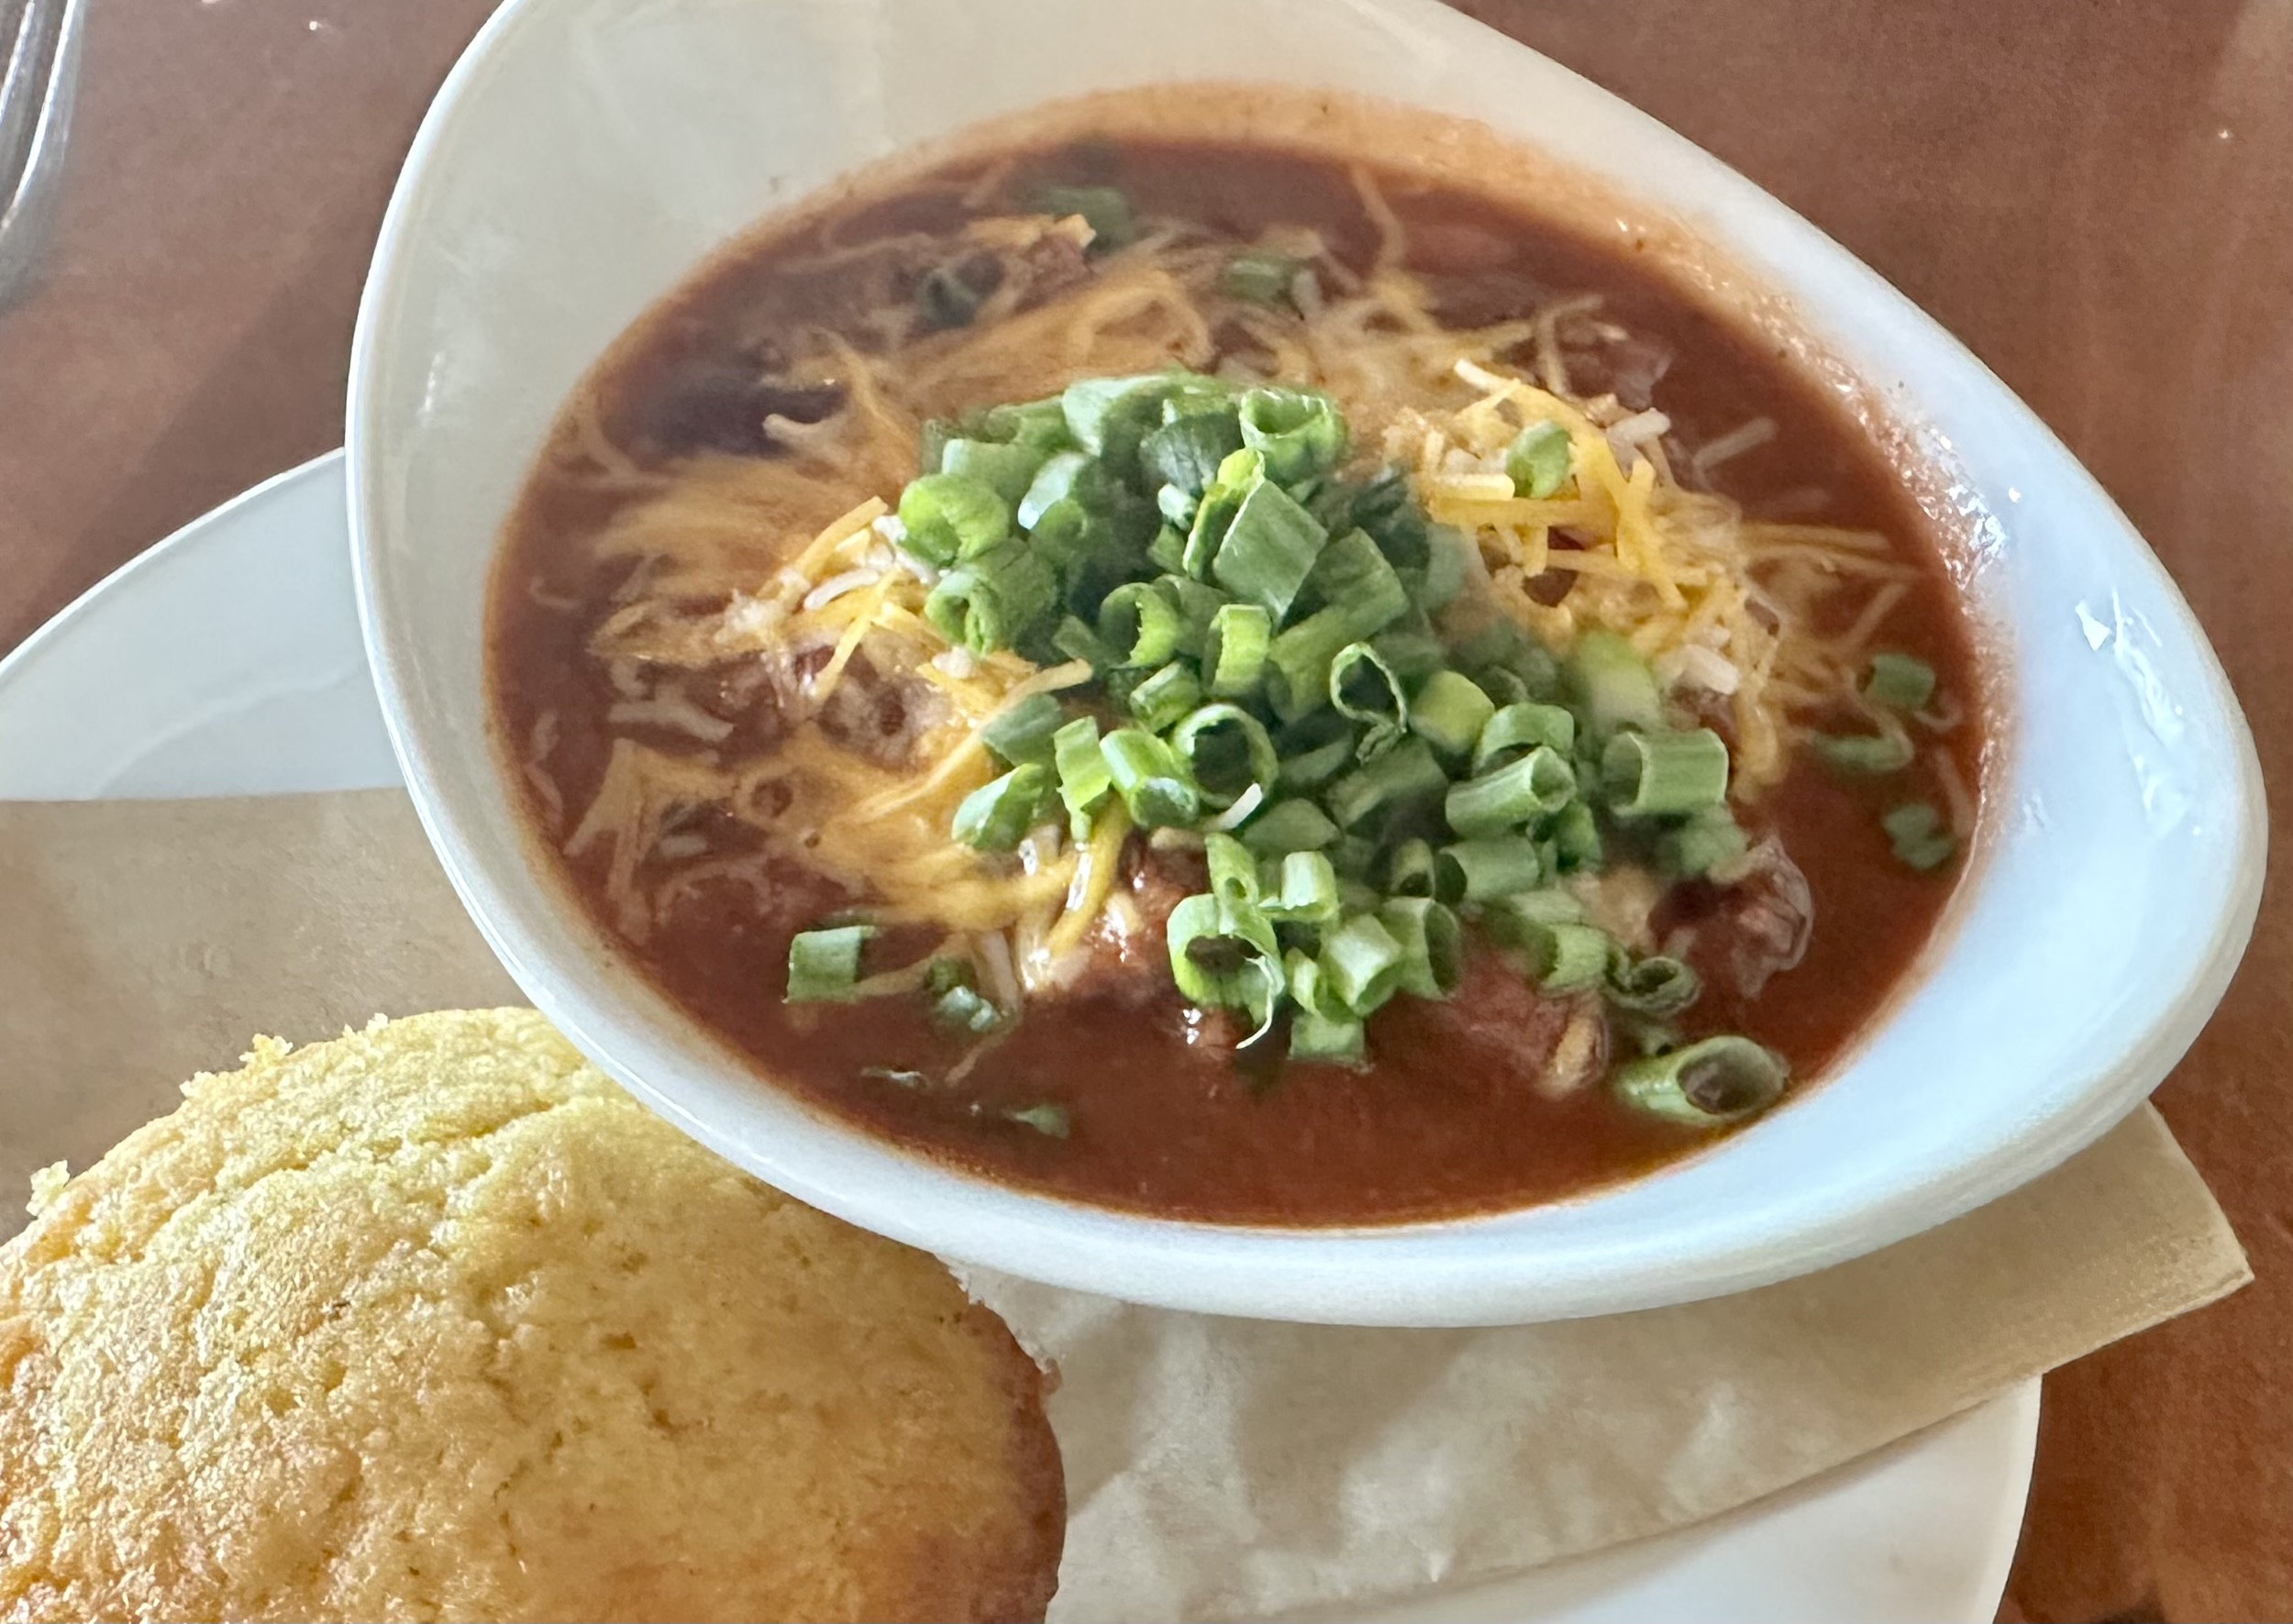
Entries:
{"x":1161,"y":1125}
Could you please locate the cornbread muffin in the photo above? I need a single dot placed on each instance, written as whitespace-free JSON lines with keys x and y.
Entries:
{"x":435,"y":1323}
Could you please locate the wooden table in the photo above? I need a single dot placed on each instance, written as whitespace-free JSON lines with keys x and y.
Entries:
{"x":2096,"y":194}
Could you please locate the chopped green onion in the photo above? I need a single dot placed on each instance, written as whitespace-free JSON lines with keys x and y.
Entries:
{"x":1301,"y":433}
{"x":1107,"y":417}
{"x":1289,"y":827}
{"x":1357,"y":581}
{"x":1703,"y":841}
{"x":1516,"y":729}
{"x":1105,"y":209}
{"x":1898,"y":682}
{"x":1613,"y":683}
{"x":1268,"y":549}
{"x":1078,"y":641}
{"x":1050,"y":1121}
{"x":1450,"y":712}
{"x":947,"y":517}
{"x":1414,"y":651}
{"x":1652,"y":986}
{"x":1364,"y":689}
{"x":1361,"y":962}
{"x":1307,"y":893}
{"x":1139,"y":624}
{"x":1234,"y":655}
{"x":1568,"y":957}
{"x":1409,"y":870}
{"x":1432,"y":943}
{"x":1298,"y":680}
{"x":1404,"y":776}
{"x":1166,"y":696}
{"x":1446,"y":567}
{"x":1875,"y":754}
{"x":1310,"y":770}
{"x":964,"y":1009}
{"x":1537,"y":460}
{"x":1223,"y":960}
{"x":1226,"y":750}
{"x":1234,"y":871}
{"x":1647,"y":775}
{"x":1576,"y":846}
{"x":1185,"y":453}
{"x":994,"y":600}
{"x":1519,"y":920}
{"x":1540,"y":782}
{"x":1322,"y":1040}
{"x":1007,"y":471}
{"x":1069,"y":475}
{"x":824,"y":966}
{"x":1084,"y":780}
{"x":1706,"y":1085}
{"x":1041,"y":424}
{"x":1198,"y":603}
{"x":1151,"y":779}
{"x":1240,"y":474}
{"x":997,"y":815}
{"x":1260,"y":276}
{"x":1022,"y":733}
{"x":1919,"y":837}
{"x":1483,"y":871}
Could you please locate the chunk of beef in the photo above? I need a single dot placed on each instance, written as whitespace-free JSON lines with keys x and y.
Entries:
{"x":1497,"y":1025}
{"x":715,"y":404}
{"x":1751,"y":924}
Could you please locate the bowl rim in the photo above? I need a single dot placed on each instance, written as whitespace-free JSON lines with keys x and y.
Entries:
{"x":1402,"y":1273}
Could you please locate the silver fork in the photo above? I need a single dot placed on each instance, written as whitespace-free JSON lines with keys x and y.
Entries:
{"x":41,"y":42}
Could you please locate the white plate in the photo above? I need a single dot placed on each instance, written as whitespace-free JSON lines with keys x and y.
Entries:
{"x":226,"y":660}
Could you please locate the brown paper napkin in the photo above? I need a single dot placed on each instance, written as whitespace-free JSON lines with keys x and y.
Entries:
{"x":1215,"y":1467}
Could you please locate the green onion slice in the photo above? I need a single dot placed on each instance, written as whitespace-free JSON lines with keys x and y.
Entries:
{"x":1222,"y":960}
{"x":1166,"y":696}
{"x":1226,"y":751}
{"x":966,"y":1010}
{"x":1084,"y":780}
{"x":1022,"y":733}
{"x":996,"y":816}
{"x":1105,"y":209}
{"x":1655,"y":985}
{"x":1361,"y":963}
{"x":1920,"y":838}
{"x":1484,"y":870}
{"x":824,"y":966}
{"x":1701,"y":842}
{"x":1289,"y":827}
{"x":1234,"y":655}
{"x":1301,"y":433}
{"x":1537,"y":460}
{"x":946,"y":517}
{"x":1516,"y":729}
{"x":1568,"y":957}
{"x":1364,"y":689}
{"x":1306,"y":891}
{"x":1874,"y":754}
{"x":1260,"y":276}
{"x":1268,"y":549}
{"x":1898,"y":682}
{"x":1140,"y":624}
{"x":1706,"y":1085}
{"x":1322,"y":1040}
{"x":1432,"y":943}
{"x":1647,"y":775}
{"x":1185,"y":454}
{"x":1152,"y":779}
{"x":1409,"y":870}
{"x":1450,"y":712}
{"x":1402,"y":779}
{"x":1538,"y":783}
{"x":1612,"y":684}
{"x":1006,"y":469}
{"x":994,"y":600}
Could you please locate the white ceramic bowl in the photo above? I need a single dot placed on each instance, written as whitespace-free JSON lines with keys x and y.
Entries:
{"x":585,"y":153}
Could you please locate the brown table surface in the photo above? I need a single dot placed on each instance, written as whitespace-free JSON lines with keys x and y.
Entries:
{"x":2096,"y":194}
